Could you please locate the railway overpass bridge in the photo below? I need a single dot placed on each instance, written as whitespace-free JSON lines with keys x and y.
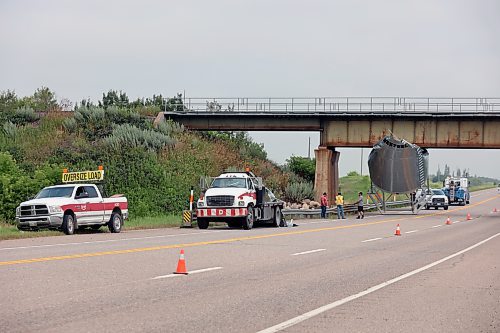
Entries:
{"x":350,"y":122}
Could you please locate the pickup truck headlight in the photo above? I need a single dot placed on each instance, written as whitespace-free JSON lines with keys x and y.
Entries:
{"x":201,"y":204}
{"x":18,"y":211}
{"x":241,"y":203}
{"x":55,"y":209}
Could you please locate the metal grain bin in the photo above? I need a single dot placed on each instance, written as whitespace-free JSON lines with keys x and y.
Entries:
{"x":397,"y":166}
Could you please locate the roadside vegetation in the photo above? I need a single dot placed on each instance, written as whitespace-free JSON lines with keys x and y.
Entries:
{"x":154,"y":166}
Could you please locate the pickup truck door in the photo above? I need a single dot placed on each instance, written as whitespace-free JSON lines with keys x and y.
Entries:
{"x":89,"y":206}
{"x":96,"y":205}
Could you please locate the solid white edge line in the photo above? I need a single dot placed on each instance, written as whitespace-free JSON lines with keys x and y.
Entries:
{"x":189,"y":273}
{"x":436,"y":226}
{"x":371,"y":240}
{"x":324,"y":308}
{"x":307,"y":252}
{"x":411,"y":231}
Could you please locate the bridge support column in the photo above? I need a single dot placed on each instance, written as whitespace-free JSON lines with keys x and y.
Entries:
{"x":327,"y":172}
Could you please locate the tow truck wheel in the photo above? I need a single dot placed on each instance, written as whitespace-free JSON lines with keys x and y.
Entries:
{"x":68,"y":225}
{"x":248,"y":220}
{"x":277,"y":217}
{"x":115,"y":223}
{"x":202,"y":223}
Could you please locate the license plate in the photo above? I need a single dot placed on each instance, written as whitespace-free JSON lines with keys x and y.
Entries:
{"x":32,"y":224}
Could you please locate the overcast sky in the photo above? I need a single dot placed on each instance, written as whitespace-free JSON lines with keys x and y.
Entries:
{"x":430,"y":48}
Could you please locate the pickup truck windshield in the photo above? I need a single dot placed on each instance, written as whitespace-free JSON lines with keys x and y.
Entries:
{"x":437,"y":192}
{"x":229,"y":182}
{"x":56,"y":192}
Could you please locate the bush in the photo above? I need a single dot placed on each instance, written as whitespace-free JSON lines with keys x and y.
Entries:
{"x":296,"y":192}
{"x":70,"y":125}
{"x":17,"y":185}
{"x":127,"y":136}
{"x":9,"y":129}
{"x":24,"y":115}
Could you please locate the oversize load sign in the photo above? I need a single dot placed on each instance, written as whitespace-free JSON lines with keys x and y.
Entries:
{"x":83,"y":176}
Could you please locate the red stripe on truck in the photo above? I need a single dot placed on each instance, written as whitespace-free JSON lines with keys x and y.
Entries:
{"x":222,"y":212}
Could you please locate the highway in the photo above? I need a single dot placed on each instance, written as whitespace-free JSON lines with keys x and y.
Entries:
{"x":321,"y":276}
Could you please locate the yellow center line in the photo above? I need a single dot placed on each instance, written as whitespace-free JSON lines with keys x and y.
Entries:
{"x":220,"y":241}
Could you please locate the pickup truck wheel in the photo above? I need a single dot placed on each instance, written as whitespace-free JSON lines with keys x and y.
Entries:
{"x":68,"y":225}
{"x":249,"y":219}
{"x":277,"y":217}
{"x":445,"y":207}
{"x":115,"y":223}
{"x":202,"y":223}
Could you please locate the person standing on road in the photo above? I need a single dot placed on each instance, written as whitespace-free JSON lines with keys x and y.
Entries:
{"x":324,"y":204}
{"x":339,"y":201}
{"x":361,"y":213}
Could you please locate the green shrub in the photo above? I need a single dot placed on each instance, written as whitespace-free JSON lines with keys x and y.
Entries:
{"x":17,"y":185}
{"x":70,"y":125}
{"x":127,"y":136}
{"x":9,"y":129}
{"x":296,"y":192}
{"x":24,"y":115}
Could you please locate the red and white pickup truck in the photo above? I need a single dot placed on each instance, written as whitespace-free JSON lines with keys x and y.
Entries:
{"x":72,"y":206}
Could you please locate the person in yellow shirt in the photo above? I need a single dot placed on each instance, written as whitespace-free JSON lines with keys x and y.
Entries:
{"x":339,"y":201}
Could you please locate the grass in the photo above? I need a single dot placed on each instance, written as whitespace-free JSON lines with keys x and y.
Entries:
{"x":153,"y":222}
{"x":481,"y":187}
{"x":9,"y":231}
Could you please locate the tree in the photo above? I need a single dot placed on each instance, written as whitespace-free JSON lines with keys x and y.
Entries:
{"x":303,"y":166}
{"x":44,"y":100}
{"x":438,"y":174}
{"x":446,"y":172}
{"x":459,"y":174}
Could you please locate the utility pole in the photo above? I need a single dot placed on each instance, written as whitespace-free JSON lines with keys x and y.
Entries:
{"x":361,"y":169}
{"x":309,"y":149}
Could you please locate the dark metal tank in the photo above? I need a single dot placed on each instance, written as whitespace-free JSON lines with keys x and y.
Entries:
{"x":397,"y":166}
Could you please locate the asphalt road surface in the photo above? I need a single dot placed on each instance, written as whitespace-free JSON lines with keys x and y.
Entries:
{"x":321,"y":276}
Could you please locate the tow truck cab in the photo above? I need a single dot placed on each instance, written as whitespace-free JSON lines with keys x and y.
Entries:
{"x":239,"y":199}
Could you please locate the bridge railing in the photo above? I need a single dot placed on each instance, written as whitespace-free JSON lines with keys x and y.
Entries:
{"x":342,"y":104}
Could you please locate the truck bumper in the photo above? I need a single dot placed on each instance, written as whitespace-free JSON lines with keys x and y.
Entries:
{"x":46,"y":221}
{"x":221,"y":212}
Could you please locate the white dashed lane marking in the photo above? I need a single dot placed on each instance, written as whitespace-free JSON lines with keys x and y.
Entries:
{"x":189,"y":273}
{"x":371,"y":240}
{"x":308,"y":252}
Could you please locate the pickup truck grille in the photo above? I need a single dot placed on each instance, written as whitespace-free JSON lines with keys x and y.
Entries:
{"x":437,"y":200}
{"x":220,"y":200}
{"x":35,"y":210}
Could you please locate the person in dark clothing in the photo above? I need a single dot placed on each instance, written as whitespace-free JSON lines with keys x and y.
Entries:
{"x":361,"y":213}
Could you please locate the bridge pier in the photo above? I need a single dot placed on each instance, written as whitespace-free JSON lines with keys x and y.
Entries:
{"x":327,"y":172}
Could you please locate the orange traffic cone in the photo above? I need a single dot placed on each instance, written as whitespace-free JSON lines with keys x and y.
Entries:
{"x":448,"y":221}
{"x":398,"y":231}
{"x":181,"y":265}
{"x":468,"y":217}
